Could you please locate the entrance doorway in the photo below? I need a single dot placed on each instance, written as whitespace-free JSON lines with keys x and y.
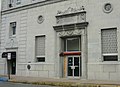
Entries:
{"x":73,"y":66}
{"x":13,"y":66}
{"x":12,"y":63}
{"x":72,"y":56}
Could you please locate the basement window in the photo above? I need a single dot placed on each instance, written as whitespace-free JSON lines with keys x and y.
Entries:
{"x":40,"y":59}
{"x":110,"y":58}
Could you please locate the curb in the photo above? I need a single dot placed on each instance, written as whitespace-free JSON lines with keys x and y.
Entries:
{"x":66,"y":84}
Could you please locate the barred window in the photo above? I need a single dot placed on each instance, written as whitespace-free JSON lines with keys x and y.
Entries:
{"x":109,"y":44}
{"x":12,"y":28}
{"x":40,"y":48}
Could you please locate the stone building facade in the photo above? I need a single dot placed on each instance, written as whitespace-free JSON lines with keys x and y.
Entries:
{"x":61,"y":38}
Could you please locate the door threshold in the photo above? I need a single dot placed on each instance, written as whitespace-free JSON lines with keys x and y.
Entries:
{"x":77,"y":78}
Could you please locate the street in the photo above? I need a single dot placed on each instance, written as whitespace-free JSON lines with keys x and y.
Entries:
{"x":8,"y":84}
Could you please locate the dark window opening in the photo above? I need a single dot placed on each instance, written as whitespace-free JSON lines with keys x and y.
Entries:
{"x":14,"y":30}
{"x":40,"y":59}
{"x":110,"y":58}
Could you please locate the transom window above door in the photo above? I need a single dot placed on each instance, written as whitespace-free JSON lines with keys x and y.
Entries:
{"x":72,"y":44}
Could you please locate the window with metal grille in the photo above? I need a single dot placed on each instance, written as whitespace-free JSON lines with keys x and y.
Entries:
{"x":13,"y":29}
{"x":109,"y":44}
{"x":40,"y":48}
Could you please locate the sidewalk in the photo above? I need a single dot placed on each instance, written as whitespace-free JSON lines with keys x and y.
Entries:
{"x":64,"y":82}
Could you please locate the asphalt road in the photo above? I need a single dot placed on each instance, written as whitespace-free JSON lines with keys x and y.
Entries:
{"x":8,"y":84}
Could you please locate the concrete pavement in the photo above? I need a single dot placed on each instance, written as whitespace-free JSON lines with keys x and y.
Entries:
{"x":64,"y":81}
{"x":9,"y":84}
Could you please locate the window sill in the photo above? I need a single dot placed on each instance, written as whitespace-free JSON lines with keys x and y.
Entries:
{"x":110,"y":62}
{"x":40,"y":56}
{"x":41,"y":63}
{"x":110,"y":54}
{"x":13,"y":36}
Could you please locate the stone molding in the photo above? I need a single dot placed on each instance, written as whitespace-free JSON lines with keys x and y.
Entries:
{"x":33,"y":5}
{"x":70,"y":10}
{"x":67,"y":27}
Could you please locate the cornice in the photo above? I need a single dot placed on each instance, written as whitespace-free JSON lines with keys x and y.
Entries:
{"x":33,"y":5}
{"x":73,"y":26}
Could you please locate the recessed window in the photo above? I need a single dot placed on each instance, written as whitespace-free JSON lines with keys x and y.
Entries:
{"x":13,"y":29}
{"x":40,"y":48}
{"x":72,"y":44}
{"x":109,"y":44}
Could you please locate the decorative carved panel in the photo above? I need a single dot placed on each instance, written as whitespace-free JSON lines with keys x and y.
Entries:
{"x":71,"y":22}
{"x":107,"y":8}
{"x":40,"y":19}
{"x":70,"y":33}
{"x":71,"y":15}
{"x":11,"y":43}
{"x":71,"y":10}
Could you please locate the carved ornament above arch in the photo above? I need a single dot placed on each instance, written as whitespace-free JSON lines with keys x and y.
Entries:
{"x":70,"y":33}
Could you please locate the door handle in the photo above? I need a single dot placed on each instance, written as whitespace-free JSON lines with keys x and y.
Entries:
{"x":76,"y":66}
{"x":72,"y":67}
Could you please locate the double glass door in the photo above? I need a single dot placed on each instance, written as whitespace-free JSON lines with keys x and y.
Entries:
{"x":73,"y":67}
